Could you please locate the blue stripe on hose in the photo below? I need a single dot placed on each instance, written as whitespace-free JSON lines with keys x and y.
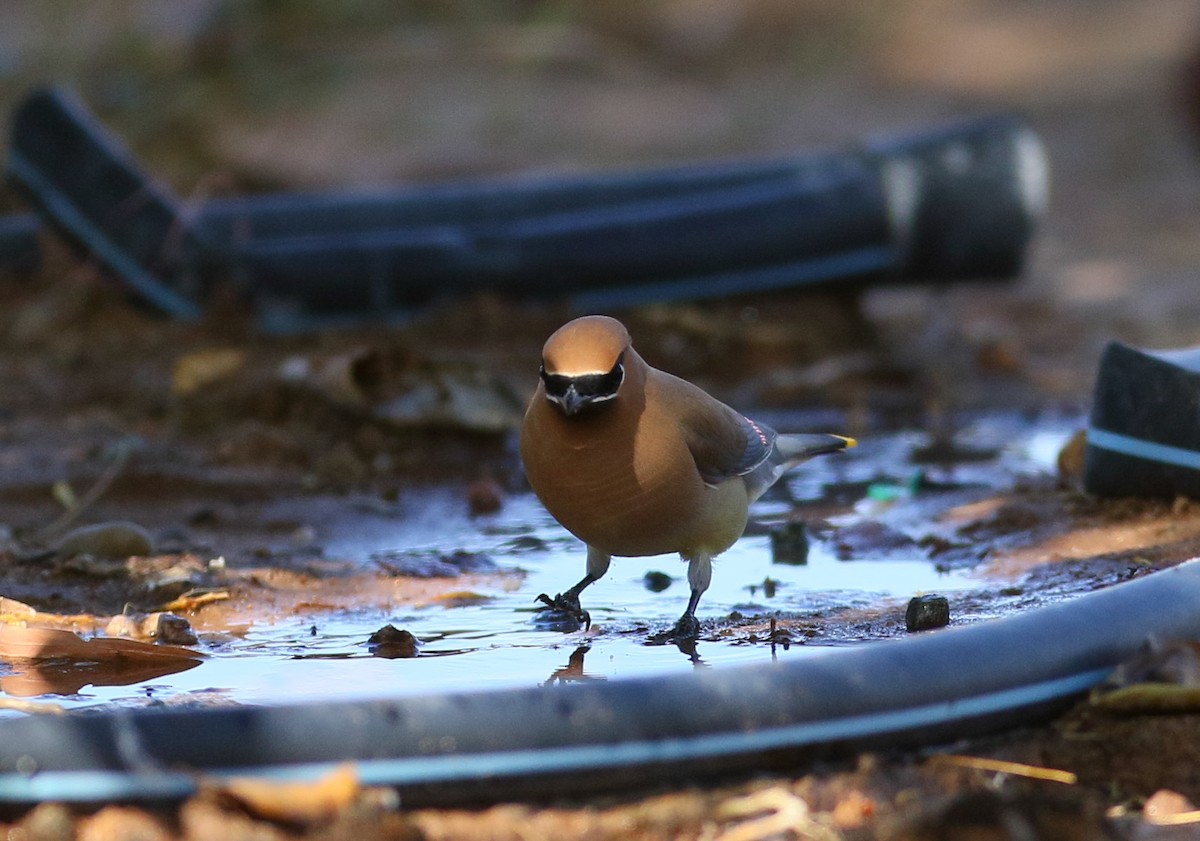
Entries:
{"x":79,"y":786}
{"x":1138,"y":448}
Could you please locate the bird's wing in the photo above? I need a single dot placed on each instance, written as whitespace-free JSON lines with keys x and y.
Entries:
{"x":723,"y":443}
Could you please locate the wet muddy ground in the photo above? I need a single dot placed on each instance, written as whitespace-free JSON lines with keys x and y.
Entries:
{"x":298,"y":494}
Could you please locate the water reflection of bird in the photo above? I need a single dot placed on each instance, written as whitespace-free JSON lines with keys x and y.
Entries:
{"x":573,"y":671}
{"x":634,"y":461}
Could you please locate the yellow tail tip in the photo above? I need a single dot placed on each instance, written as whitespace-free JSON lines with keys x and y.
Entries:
{"x":850,"y":442}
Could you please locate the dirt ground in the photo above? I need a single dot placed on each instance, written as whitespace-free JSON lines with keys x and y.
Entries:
{"x":198,"y":434}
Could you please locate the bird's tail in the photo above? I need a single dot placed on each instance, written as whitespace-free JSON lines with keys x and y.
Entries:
{"x":789,"y":451}
{"x":798,"y":448}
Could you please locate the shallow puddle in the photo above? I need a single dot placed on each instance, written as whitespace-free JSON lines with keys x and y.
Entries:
{"x":491,"y":638}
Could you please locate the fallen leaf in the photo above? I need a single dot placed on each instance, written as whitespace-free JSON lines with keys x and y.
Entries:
{"x":1166,"y":807}
{"x":193,"y":371}
{"x":53,"y":677}
{"x":52,"y":644}
{"x":459,"y":598}
{"x":39,"y":655}
{"x":295,"y":802}
{"x":124,"y":822}
{"x":15,"y":609}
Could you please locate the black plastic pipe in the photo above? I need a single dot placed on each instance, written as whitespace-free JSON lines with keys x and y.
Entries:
{"x":19,"y":252}
{"x":957,"y":202}
{"x":469,"y":748}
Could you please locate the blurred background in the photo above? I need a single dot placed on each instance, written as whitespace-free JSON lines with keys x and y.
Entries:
{"x":217,"y":97}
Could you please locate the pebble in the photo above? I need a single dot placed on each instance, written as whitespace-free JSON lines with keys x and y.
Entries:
{"x":107,"y":540}
{"x":174,"y":630}
{"x":656,"y":581}
{"x":927,"y":612}
{"x":393,"y":643}
{"x":485,"y":496}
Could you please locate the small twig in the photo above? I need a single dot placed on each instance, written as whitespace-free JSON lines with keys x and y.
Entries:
{"x":1017,"y":769}
{"x":194,"y":599}
{"x":97,"y":490}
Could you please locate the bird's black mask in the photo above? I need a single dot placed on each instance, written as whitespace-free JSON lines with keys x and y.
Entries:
{"x":573,"y":395}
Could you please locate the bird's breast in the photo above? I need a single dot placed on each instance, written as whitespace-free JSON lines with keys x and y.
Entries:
{"x":627,"y":486}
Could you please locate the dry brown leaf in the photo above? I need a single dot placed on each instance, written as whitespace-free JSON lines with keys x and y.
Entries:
{"x":1169,"y":808}
{"x":296,"y":802}
{"x":13,"y":612}
{"x":53,"y":644}
{"x":198,"y":369}
{"x":459,"y":598}
{"x":53,"y":661}
{"x":53,"y":677}
{"x":15,"y":609}
{"x":121,"y":822}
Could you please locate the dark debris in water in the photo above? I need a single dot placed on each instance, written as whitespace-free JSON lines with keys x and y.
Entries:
{"x":393,"y":643}
{"x":789,"y":544}
{"x":434,"y":564}
{"x":656,"y":581}
{"x":871,"y":538}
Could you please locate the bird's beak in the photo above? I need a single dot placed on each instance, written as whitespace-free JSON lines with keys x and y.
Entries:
{"x":571,"y":401}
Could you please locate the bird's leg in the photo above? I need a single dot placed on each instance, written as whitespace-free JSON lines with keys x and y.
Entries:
{"x":568,"y":602}
{"x":699,"y":577}
{"x":688,"y":626}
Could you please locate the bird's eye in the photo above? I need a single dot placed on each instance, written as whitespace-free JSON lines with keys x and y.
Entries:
{"x":556,"y":384}
{"x":592,"y":388}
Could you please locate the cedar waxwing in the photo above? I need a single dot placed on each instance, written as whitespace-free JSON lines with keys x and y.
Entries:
{"x":634,"y":461}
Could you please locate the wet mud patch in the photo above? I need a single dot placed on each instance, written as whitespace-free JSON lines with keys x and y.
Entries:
{"x":293,"y":593}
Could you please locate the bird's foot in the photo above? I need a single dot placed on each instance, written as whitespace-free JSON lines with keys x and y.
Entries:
{"x":687,"y":629}
{"x":570,"y":615}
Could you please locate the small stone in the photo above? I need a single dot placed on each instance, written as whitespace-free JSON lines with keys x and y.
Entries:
{"x":107,"y":540}
{"x":926,"y":612}
{"x":789,"y":544}
{"x":656,"y":581}
{"x":393,"y":643}
{"x":174,"y":630}
{"x":485,"y":496}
